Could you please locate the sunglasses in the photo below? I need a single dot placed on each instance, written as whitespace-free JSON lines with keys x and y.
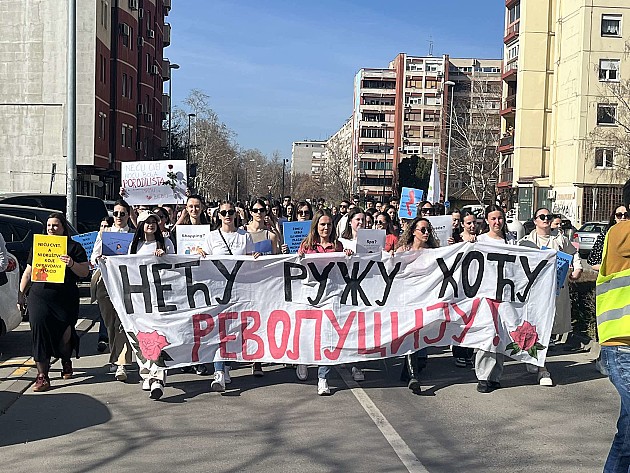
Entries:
{"x":422,"y":230}
{"x":304,"y":212}
{"x":343,"y":206}
{"x":119,"y":214}
{"x":381,"y":222}
{"x":625,"y":215}
{"x":547,"y":217}
{"x":426,"y":211}
{"x":258,"y":210}
{"x":225,"y":213}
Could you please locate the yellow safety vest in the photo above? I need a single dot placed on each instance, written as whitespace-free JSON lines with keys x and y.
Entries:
{"x":612,"y":302}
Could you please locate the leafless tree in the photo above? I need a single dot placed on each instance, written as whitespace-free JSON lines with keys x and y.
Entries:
{"x":335,"y":175}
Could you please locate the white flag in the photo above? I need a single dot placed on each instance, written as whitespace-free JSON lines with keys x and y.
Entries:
{"x":433,"y":194}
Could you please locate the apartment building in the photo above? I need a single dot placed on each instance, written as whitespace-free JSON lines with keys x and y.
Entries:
{"x":307,"y":157}
{"x":561,"y":61}
{"x":120,"y":103}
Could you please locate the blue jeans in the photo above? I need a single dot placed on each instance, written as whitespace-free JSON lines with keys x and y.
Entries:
{"x":323,"y":371}
{"x":617,"y":360}
{"x":102,"y":329}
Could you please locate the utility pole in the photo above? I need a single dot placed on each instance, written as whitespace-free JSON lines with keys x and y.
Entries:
{"x":71,"y":102}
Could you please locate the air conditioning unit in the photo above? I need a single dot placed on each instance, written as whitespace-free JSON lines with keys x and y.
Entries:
{"x":124,"y":29}
{"x":140,"y":109}
{"x":551,"y":194}
{"x":154,"y":70}
{"x":149,"y":118}
{"x":140,"y":41}
{"x":133,"y":4}
{"x":138,"y":145}
{"x":151,"y":33}
{"x":141,"y":13}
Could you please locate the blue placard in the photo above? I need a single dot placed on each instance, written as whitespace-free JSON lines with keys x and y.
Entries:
{"x":86,"y":240}
{"x":563,"y":261}
{"x":294,"y":233}
{"x":116,"y":243}
{"x":263,"y":247}
{"x":409,"y":200}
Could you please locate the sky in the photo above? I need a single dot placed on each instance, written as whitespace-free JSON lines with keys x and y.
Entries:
{"x":279,"y":71}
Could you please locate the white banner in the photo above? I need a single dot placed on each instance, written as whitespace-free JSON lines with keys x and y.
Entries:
{"x":154,"y":182}
{"x":330,"y":308}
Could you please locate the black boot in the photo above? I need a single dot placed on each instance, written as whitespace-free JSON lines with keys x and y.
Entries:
{"x":411,"y":362}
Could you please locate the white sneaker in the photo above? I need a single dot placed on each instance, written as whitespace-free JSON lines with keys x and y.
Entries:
{"x":357,"y":374}
{"x":533,"y":369}
{"x":227,"y":379}
{"x":302,"y":372}
{"x":544,"y":378}
{"x":218,"y":384}
{"x":146,"y":384}
{"x":157,"y":389}
{"x":121,"y":373}
{"x":322,"y":387}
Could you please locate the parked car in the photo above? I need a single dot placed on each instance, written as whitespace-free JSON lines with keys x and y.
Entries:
{"x":10,"y":316}
{"x":90,"y":210}
{"x":32,"y":213}
{"x":18,"y":235}
{"x":586,"y":236}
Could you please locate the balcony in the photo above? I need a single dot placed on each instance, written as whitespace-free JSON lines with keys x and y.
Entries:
{"x":512,"y":32}
{"x":166,"y":70}
{"x":167,"y":34}
{"x":166,"y":103}
{"x":506,"y":144}
{"x":509,"y":3}
{"x":506,"y":177}
{"x":508,"y":106}
{"x":509,"y":71}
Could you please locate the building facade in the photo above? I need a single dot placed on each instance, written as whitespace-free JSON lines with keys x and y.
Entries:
{"x":562,"y":61}
{"x":119,"y":92}
{"x":307,"y":157}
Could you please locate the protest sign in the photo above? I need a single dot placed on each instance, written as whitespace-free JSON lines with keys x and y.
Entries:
{"x":370,"y":241}
{"x":263,"y":247}
{"x":86,"y":240}
{"x":47,"y":267}
{"x":442,"y":228}
{"x":154,"y":182}
{"x":409,"y":200}
{"x":294,"y":233}
{"x":563,"y":262}
{"x":190,"y":238}
{"x":116,"y":243}
{"x":330,"y":308}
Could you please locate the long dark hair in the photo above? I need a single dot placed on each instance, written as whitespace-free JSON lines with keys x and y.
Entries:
{"x":389,"y":227}
{"x":406,"y":239}
{"x":496,"y":208}
{"x":313,"y":238}
{"x":611,"y":220}
{"x":203,"y":220}
{"x":64,"y":223}
{"x":347,"y":232}
{"x":303,"y":203}
{"x":139,"y":235}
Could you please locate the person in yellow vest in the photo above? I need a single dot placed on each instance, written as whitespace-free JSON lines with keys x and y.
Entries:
{"x":613,"y":326}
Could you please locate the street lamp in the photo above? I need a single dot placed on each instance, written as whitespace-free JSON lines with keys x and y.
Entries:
{"x":190,"y":115}
{"x":284,"y":161}
{"x":170,"y":108}
{"x":450,"y":84}
{"x":384,"y":125}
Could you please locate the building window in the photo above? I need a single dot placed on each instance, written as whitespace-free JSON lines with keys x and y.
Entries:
{"x":611,"y":25}
{"x":609,"y":70}
{"x":429,"y":133}
{"x":431,"y":84}
{"x":414,"y":84}
{"x":101,"y":125}
{"x":606,"y":114}
{"x":104,"y":14}
{"x":430,"y":116}
{"x":127,"y":136}
{"x":130,"y":87}
{"x":148,"y":62}
{"x":103,"y":72}
{"x":604,"y":158}
{"x":124,"y":85}
{"x":514,"y":13}
{"x":432,"y":100}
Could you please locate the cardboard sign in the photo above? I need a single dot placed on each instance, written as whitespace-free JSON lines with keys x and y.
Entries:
{"x":409,"y":200}
{"x":442,"y":228}
{"x":115,"y":243}
{"x":190,"y":238}
{"x":370,"y":241}
{"x":154,"y":182}
{"x":86,"y":240}
{"x":47,"y":267}
{"x":294,"y":233}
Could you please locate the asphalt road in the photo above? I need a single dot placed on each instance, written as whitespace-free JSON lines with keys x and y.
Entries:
{"x":93,"y":423}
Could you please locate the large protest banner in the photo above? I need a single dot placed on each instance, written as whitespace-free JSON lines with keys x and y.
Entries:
{"x":154,"y":182}
{"x":330,"y":308}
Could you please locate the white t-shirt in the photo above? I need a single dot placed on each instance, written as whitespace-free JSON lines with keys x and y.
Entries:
{"x":148,"y":248}
{"x":485,"y":238}
{"x":219,"y":242}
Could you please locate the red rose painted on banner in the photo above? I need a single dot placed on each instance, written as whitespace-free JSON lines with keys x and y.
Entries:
{"x":151,"y":344}
{"x":525,"y":338}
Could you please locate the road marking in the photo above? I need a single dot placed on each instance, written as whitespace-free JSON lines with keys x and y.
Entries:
{"x":403,"y":451}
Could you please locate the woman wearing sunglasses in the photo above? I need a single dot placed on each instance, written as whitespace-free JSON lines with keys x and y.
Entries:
{"x":620,"y":214}
{"x":304,"y":213}
{"x":149,"y":240}
{"x":542,"y":237}
{"x":417,"y":237}
{"x":228,"y":240}
{"x":257,"y":228}
{"x":382,"y":221}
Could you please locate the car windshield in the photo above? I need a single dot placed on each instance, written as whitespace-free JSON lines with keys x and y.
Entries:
{"x":591,"y":228}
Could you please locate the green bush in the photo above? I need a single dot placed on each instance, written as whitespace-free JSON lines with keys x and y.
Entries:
{"x":582,"y":296}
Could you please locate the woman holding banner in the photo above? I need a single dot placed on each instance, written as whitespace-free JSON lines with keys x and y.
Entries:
{"x":54,"y":308}
{"x":304,"y":213}
{"x":418,"y":236}
{"x":148,"y":240}
{"x":259,"y":232}
{"x":382,"y":221}
{"x":321,"y":238}
{"x":228,"y":240}
{"x":542,"y":237}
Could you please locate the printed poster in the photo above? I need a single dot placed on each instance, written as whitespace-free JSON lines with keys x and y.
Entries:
{"x":294,"y":233}
{"x":86,"y":240}
{"x":154,"y":182}
{"x":47,"y":267}
{"x":116,"y":243}
{"x":263,"y":247}
{"x":190,"y":238}
{"x":409,"y":200}
{"x":563,"y":260}
{"x":442,"y":228}
{"x":370,"y":241}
